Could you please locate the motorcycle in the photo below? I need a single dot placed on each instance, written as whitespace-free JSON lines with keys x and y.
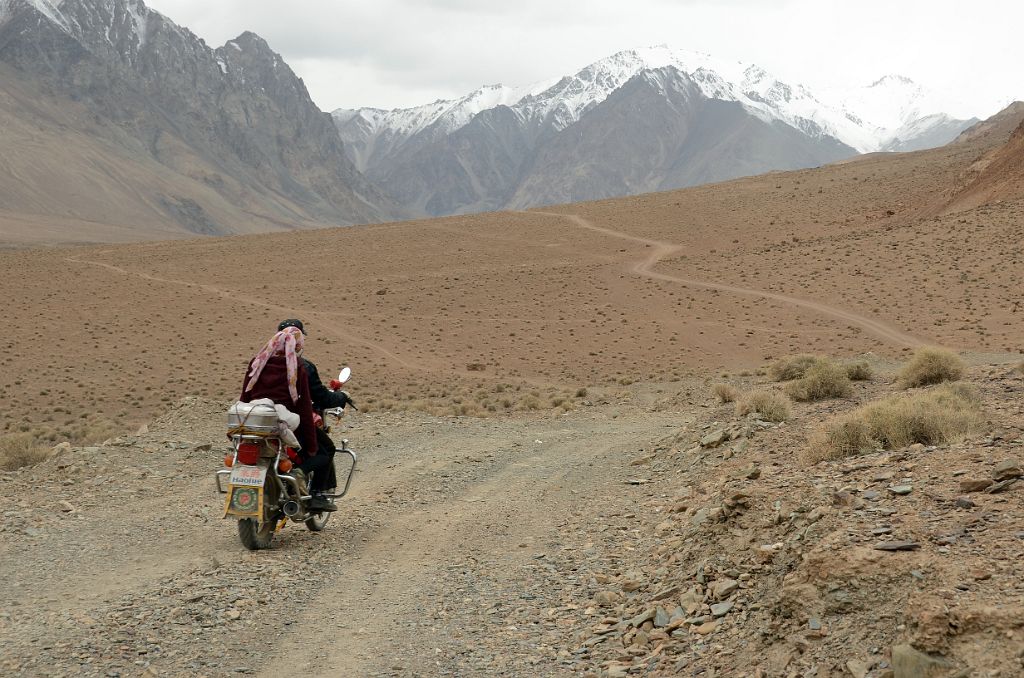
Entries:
{"x":262,"y":491}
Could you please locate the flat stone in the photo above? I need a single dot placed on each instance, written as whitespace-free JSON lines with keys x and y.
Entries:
{"x":897,"y":546}
{"x":909,"y":663}
{"x":871,"y":495}
{"x":1004,"y":470}
{"x":666,"y":593}
{"x":721,"y":609}
{"x":901,"y":489}
{"x":715,"y":438}
{"x":814,"y":624}
{"x":857,"y":668}
{"x":968,"y":485}
{"x":965,"y":503}
{"x":641,"y":618}
{"x":1002,"y":485}
{"x":706,"y":628}
{"x":723,"y":588}
{"x":661,"y":618}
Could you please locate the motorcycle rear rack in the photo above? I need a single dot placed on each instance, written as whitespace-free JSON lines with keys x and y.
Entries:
{"x":226,"y":473}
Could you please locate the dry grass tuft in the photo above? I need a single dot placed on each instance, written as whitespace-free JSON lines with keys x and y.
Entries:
{"x":18,"y":450}
{"x":725,"y":393}
{"x":843,"y":437}
{"x":1020,"y":368}
{"x":942,"y":415}
{"x":791,"y":367}
{"x":824,"y":379}
{"x":859,"y":371}
{"x":771,"y":405}
{"x":931,"y":366}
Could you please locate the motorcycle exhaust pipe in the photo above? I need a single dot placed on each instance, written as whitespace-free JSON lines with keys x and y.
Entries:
{"x":290,"y":508}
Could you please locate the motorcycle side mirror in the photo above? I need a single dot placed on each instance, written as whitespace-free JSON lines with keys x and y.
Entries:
{"x":345,"y":375}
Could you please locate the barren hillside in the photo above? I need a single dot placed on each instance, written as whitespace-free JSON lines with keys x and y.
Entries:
{"x":550,"y":485}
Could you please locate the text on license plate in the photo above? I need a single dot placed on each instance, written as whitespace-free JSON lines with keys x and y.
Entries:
{"x":250,"y":476}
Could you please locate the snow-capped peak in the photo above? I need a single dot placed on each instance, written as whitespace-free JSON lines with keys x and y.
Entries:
{"x":864,"y":118}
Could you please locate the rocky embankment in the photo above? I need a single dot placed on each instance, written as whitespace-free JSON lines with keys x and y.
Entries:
{"x":902,"y":564}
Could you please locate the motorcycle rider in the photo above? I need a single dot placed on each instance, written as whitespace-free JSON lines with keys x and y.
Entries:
{"x":278,"y":373}
{"x":323,"y":399}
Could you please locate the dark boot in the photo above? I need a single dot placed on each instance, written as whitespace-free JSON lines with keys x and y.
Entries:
{"x":318,"y":503}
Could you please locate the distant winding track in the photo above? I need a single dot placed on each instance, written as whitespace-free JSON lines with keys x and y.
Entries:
{"x":662,"y":250}
{"x":338,"y":329}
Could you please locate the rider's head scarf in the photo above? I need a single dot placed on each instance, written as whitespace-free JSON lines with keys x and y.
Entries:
{"x":288,"y":342}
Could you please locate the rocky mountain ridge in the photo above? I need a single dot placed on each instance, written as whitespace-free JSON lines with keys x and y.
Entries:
{"x":222,"y":140}
{"x":492,"y":148}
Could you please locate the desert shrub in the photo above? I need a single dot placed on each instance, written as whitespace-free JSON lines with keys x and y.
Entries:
{"x":942,"y":415}
{"x":824,"y":379}
{"x":21,"y":449}
{"x":581,"y":392}
{"x":529,"y":402}
{"x":771,"y":405}
{"x":725,"y":393}
{"x":564,"y":403}
{"x":791,"y":367}
{"x":859,"y":371}
{"x":844,"y":437}
{"x":931,"y":366}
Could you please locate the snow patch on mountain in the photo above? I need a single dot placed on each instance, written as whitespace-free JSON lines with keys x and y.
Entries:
{"x":449,"y":114}
{"x":139,"y":14}
{"x":866,"y":119}
{"x":48,"y":8}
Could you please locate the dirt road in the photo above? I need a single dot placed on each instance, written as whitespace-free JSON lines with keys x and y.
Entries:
{"x":664,"y":250}
{"x":460,"y":535}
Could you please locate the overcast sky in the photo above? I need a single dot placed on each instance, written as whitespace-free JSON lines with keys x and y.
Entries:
{"x":399,"y":53}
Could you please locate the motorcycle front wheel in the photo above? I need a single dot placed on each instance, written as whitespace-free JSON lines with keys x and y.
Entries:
{"x":317,"y":521}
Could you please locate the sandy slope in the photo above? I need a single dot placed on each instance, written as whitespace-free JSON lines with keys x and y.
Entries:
{"x":845,"y":259}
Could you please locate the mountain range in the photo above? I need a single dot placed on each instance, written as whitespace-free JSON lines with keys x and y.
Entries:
{"x":641,"y":120}
{"x":121,"y":125}
{"x":115,"y":115}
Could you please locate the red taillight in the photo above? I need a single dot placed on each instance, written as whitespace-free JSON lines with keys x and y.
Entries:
{"x":248,"y":453}
{"x":229,"y":460}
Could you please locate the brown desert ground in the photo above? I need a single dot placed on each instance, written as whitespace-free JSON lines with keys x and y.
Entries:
{"x":553,"y":482}
{"x":472,"y":313}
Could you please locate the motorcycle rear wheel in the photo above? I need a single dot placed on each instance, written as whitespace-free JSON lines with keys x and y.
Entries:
{"x":255,"y":535}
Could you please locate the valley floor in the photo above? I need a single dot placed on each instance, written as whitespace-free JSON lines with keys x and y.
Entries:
{"x":604,"y":541}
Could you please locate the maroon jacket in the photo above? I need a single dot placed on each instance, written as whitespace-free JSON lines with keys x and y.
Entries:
{"x":273,"y":384}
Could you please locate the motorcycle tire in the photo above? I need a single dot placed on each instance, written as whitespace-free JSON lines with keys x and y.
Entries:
{"x":255,"y":535}
{"x":317,"y":521}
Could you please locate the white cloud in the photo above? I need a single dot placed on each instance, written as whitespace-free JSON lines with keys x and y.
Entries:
{"x":405,"y":52}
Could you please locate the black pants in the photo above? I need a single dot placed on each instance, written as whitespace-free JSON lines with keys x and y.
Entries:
{"x":320,"y":466}
{"x":325,"y":446}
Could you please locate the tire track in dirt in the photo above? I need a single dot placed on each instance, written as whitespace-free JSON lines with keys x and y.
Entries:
{"x":662,"y":250}
{"x":321,"y":317}
{"x":542,"y":472}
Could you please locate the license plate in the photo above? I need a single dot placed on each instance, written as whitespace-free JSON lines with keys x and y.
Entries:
{"x":248,"y":476}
